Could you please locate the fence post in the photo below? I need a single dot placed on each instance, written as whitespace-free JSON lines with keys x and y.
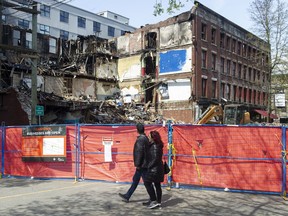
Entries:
{"x":3,"y":130}
{"x":284,"y":161}
{"x":170,"y":143}
{"x":77,"y":147}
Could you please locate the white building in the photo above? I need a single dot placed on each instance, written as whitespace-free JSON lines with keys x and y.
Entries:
{"x":62,"y":20}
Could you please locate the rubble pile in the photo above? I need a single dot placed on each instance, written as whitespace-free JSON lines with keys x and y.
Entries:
{"x":87,"y":111}
{"x":109,"y":112}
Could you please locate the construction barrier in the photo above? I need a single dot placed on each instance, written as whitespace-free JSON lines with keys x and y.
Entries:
{"x":244,"y":158}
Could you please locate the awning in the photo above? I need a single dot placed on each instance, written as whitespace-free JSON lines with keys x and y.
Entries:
{"x":265,"y":113}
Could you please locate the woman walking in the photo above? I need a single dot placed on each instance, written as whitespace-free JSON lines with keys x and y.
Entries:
{"x":155,"y":172}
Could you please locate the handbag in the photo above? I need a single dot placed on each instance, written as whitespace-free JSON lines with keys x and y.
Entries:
{"x":166,"y":168}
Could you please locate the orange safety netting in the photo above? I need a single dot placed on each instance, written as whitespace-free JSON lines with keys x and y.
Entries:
{"x":245,"y":158}
{"x":93,"y":165}
{"x":14,"y":165}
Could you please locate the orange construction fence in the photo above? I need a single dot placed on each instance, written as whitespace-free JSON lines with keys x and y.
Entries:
{"x":246,"y":158}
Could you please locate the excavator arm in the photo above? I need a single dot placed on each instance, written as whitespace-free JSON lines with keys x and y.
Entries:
{"x":213,"y":111}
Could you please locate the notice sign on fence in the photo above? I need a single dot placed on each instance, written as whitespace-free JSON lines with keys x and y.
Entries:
{"x":44,"y":143}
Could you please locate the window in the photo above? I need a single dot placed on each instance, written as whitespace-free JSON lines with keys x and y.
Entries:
{"x":244,"y":52}
{"x":234,"y":92}
{"x":222,"y":90}
{"x":222,"y":62}
{"x":123,"y":32}
{"x":52,"y":45}
{"x":254,"y":75}
{"x":23,"y":23}
{"x":64,"y":35}
{"x":44,"y":29}
{"x":213,"y":36}
{"x":245,"y":72}
{"x":234,"y":69}
{"x":16,"y":38}
{"x":228,"y":45}
{"x":96,"y":26}
{"x":64,"y":16}
{"x":81,"y":22}
{"x":249,"y":96}
{"x":213,"y":66}
{"x":203,"y":31}
{"x":204,"y":58}
{"x":3,"y":18}
{"x":258,"y":75}
{"x":228,"y":91}
{"x":249,"y":52}
{"x":228,"y":67}
{"x":249,"y":73}
{"x":111,"y":31}
{"x":204,"y":87}
{"x":239,"y":48}
{"x":239,"y":71}
{"x":222,"y":38}
{"x":258,"y":98}
{"x":245,"y":95}
{"x":240,"y":94}
{"x":233,"y":47}
{"x":214,"y":88}
{"x":28,"y":43}
{"x":44,"y":10}
{"x":254,"y":96}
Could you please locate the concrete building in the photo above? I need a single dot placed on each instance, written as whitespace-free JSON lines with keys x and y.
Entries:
{"x":189,"y":61}
{"x":65,"y":21}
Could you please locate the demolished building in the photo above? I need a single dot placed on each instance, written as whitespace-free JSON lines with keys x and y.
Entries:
{"x":187,"y":62}
{"x":169,"y":70}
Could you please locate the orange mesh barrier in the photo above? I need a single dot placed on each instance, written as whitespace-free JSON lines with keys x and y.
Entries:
{"x":1,"y":134}
{"x":245,"y":158}
{"x":93,"y":165}
{"x":14,"y":165}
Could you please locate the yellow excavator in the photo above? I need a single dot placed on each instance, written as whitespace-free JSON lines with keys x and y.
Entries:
{"x":231,"y":114}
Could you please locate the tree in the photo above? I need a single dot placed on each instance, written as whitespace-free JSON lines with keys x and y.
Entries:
{"x":270,"y":18}
{"x":173,"y":5}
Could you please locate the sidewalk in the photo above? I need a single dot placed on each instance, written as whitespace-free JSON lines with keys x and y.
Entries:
{"x":64,"y":197}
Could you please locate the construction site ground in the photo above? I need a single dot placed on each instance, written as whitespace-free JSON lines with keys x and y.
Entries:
{"x":67,"y":197}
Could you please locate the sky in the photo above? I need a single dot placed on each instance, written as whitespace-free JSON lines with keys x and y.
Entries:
{"x":140,"y":12}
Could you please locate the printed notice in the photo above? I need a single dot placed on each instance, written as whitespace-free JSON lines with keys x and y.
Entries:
{"x":107,"y":149}
{"x":53,"y":146}
{"x":44,"y":143}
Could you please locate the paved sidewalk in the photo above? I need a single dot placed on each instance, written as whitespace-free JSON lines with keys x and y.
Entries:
{"x":64,"y":197}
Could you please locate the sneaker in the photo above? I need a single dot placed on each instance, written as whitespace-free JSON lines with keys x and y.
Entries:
{"x":147,"y":203}
{"x":124,"y":198}
{"x":153,"y":205}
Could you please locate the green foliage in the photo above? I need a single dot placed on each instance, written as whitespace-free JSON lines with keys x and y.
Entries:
{"x":171,"y":7}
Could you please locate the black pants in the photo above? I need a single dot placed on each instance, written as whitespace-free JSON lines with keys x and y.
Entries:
{"x":151,"y":191}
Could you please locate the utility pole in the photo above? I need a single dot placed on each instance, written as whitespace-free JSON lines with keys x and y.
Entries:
{"x":34,"y":99}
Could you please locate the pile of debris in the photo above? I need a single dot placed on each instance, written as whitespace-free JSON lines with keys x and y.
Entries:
{"x":63,"y":110}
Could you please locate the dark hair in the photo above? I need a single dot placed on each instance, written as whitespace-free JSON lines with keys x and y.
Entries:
{"x":140,"y":128}
{"x":156,"y":137}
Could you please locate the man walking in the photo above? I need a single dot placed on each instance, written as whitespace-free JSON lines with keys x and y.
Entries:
{"x":139,"y":157}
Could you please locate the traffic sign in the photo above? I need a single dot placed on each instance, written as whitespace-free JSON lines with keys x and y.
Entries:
{"x":39,"y":110}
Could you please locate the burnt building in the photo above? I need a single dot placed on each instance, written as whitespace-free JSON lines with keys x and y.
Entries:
{"x":187,"y":62}
{"x":72,"y":76}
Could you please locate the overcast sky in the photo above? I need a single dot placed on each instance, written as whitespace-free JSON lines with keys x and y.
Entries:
{"x":140,"y":12}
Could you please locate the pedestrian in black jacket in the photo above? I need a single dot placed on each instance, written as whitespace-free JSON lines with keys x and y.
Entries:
{"x":155,"y":172}
{"x":139,"y":157}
